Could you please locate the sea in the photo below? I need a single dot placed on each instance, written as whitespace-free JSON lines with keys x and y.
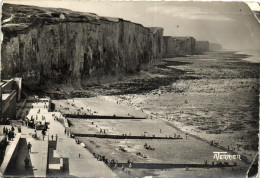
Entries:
{"x":254,"y":55}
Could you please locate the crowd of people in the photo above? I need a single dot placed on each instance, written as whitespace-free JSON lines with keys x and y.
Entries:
{"x":113,"y":164}
{"x":75,"y":110}
{"x":110,"y":162}
{"x":9,"y":133}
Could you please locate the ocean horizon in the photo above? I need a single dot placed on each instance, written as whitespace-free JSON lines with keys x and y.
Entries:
{"x":254,"y":55}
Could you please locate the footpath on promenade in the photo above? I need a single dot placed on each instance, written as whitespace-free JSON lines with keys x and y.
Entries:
{"x":37,"y":157}
{"x":85,"y":165}
{"x":65,"y":151}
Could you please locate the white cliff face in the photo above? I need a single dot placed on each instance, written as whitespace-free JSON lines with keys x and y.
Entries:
{"x":169,"y":49}
{"x":202,"y":46}
{"x":214,"y":46}
{"x":79,"y":52}
{"x":174,"y":46}
{"x":45,"y":45}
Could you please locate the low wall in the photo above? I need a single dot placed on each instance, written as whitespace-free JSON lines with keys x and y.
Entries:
{"x":124,"y":136}
{"x":66,"y":124}
{"x":169,"y":166}
{"x":100,"y":117}
{"x":44,"y":158}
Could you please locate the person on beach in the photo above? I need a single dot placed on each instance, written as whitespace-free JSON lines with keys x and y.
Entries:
{"x":45,"y":126}
{"x":52,"y":137}
{"x":56,"y":137}
{"x":12,"y":135}
{"x":26,"y":163}
{"x":29,"y":146}
{"x":26,"y":122}
{"x":9,"y":135}
{"x":35,"y":132}
{"x":12,"y":128}
{"x":4,"y":130}
{"x":211,"y":143}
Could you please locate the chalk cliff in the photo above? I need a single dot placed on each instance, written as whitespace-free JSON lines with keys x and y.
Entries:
{"x":174,"y":46}
{"x":202,"y":46}
{"x":214,"y":46}
{"x":169,"y":47}
{"x":59,"y":45}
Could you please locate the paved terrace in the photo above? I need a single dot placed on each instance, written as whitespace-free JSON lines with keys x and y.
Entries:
{"x":86,"y":165}
{"x":65,"y":150}
{"x":39,"y":152}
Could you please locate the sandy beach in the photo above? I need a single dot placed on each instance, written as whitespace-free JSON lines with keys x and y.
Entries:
{"x":213,"y":98}
{"x":222,"y":105}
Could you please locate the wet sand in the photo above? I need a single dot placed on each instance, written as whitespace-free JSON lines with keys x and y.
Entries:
{"x":221,"y":104}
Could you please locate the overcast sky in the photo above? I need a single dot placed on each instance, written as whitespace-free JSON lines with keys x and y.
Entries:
{"x":231,"y":24}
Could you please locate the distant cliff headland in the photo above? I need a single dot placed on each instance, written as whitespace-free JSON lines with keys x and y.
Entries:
{"x":50,"y":45}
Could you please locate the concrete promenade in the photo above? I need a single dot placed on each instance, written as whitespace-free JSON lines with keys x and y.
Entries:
{"x":37,"y":157}
{"x":85,"y":165}
{"x":70,"y":165}
{"x":10,"y":150}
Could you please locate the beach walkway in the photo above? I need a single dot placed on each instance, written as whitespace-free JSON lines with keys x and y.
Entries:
{"x":37,"y":157}
{"x":64,"y":151}
{"x":85,"y":165}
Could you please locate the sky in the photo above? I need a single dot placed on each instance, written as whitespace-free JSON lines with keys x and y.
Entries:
{"x":231,"y":24}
